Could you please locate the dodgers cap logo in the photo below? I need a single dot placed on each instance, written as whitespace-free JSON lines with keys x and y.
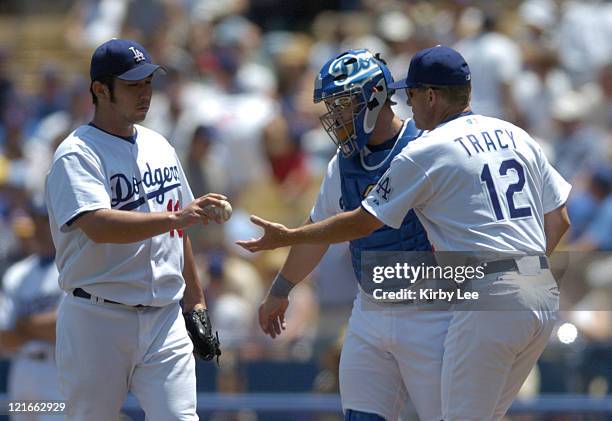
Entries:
{"x":439,"y":65}
{"x":123,"y":58}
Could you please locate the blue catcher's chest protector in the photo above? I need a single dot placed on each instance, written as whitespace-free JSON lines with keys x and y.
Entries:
{"x":358,"y":175}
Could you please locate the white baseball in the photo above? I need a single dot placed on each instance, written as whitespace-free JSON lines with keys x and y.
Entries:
{"x":222,"y":212}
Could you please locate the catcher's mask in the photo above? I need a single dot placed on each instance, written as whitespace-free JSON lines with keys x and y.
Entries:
{"x":354,"y":88}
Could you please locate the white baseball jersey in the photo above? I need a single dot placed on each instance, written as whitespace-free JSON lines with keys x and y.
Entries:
{"x":475,"y":183}
{"x":93,"y":170}
{"x":328,"y":201}
{"x":30,"y":287}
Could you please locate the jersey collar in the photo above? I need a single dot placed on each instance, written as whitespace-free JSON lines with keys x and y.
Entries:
{"x":387,"y":144}
{"x":454,"y":117}
{"x":130,"y":139}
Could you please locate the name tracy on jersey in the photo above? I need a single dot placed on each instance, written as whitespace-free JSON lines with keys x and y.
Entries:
{"x":473,"y":144}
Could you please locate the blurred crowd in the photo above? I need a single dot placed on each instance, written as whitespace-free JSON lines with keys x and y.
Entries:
{"x":236,"y":103}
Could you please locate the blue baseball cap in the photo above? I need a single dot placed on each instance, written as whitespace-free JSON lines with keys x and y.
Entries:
{"x":439,"y":65}
{"x":123,"y":58}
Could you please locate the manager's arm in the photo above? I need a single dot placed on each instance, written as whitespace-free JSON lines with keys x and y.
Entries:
{"x":302,"y":259}
{"x":342,"y":227}
{"x":345,"y":226}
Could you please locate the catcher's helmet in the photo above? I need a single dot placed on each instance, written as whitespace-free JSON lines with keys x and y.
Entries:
{"x":354,"y":87}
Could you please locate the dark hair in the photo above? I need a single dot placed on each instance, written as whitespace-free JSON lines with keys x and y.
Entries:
{"x":458,"y":95}
{"x":108,"y":81}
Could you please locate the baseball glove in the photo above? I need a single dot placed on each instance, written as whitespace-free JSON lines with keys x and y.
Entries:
{"x":205,"y":345}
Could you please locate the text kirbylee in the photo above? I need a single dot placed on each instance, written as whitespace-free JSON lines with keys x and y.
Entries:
{"x":425,"y":294}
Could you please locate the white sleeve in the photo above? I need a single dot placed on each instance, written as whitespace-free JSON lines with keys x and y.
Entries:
{"x":75,"y":185}
{"x":404,"y":186}
{"x":555,"y":190}
{"x":328,"y":201}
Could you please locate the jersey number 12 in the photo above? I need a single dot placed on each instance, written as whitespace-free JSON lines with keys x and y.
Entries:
{"x":510,"y":164}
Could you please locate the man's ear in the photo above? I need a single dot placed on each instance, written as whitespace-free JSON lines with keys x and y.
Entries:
{"x":432,"y":96}
{"x":100,"y":90}
{"x":435,"y":97}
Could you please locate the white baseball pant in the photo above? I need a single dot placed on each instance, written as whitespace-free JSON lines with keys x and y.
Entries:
{"x":488,"y":353}
{"x":392,"y":351}
{"x":105,"y":350}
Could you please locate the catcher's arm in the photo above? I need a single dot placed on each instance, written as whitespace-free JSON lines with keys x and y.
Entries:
{"x":302,"y":259}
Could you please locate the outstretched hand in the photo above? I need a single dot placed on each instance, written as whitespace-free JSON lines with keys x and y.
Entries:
{"x":272,"y":315}
{"x":274,"y":236}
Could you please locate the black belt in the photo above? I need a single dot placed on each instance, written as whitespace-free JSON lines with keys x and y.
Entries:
{"x":509,"y":265}
{"x":78,"y":292}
